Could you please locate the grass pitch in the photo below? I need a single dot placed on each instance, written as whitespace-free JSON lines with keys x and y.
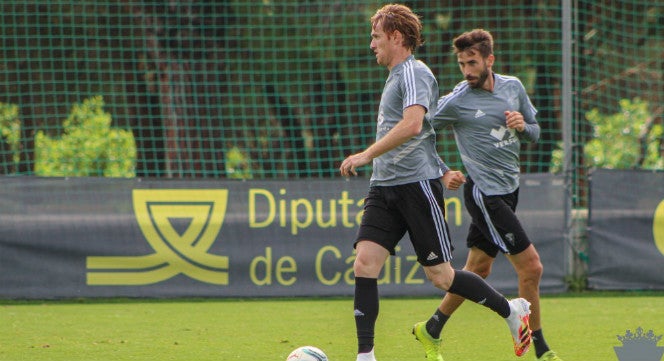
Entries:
{"x":576,"y":327}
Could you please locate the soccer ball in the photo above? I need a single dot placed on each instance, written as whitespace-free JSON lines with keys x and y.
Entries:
{"x":307,"y":353}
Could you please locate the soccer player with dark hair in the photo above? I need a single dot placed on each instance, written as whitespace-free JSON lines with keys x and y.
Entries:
{"x":491,"y":114}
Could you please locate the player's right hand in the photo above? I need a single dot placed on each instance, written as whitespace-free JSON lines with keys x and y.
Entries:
{"x":352,"y":162}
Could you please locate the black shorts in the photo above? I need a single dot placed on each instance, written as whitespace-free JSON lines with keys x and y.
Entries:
{"x":417,"y":208}
{"x":494,"y":226}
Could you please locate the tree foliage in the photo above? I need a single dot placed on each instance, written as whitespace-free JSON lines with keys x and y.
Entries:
{"x":628,"y":139}
{"x":625,"y":140}
{"x":10,"y":130}
{"x":88,"y":146}
{"x":292,"y":85}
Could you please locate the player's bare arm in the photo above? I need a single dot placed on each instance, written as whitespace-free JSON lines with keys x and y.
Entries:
{"x":408,"y":127}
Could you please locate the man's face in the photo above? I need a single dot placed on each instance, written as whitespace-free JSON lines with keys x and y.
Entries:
{"x":474,"y":68}
{"x":381,"y":45}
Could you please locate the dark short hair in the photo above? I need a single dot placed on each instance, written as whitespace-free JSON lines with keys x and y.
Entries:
{"x":397,"y":17}
{"x":479,"y":40}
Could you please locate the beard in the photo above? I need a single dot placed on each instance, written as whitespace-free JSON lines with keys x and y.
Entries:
{"x":478,"y":82}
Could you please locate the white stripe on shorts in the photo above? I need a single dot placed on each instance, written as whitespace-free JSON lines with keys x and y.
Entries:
{"x":495,"y":235}
{"x":439,"y":221}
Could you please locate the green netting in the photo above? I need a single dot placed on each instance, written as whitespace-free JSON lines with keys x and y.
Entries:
{"x":283,"y":89}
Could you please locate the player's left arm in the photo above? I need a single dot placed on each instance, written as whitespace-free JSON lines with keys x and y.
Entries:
{"x":524,"y":120}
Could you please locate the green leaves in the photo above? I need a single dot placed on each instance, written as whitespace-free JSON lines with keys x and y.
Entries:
{"x":237,"y":164}
{"x":88,"y":146}
{"x":624,"y":140}
{"x":10,"y":129}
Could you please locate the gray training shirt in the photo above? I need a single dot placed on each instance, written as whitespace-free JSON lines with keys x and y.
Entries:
{"x":409,"y":83}
{"x":489,"y":151}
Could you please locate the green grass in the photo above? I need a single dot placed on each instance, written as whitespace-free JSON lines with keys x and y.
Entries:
{"x":578,"y":328}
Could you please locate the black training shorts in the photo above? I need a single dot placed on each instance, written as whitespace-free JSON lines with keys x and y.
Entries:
{"x":494,"y":226}
{"x":417,"y":208}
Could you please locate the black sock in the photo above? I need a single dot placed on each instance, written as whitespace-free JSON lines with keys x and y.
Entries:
{"x":436,"y":323}
{"x":540,"y":344}
{"x":366,"y":312}
{"x":472,"y":287}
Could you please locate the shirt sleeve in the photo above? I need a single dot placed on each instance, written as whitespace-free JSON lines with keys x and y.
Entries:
{"x":445,"y":114}
{"x":531,"y":132}
{"x":443,"y":167}
{"x":417,"y":85}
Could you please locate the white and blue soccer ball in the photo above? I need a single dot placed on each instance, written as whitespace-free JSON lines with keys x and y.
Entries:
{"x":307,"y":353}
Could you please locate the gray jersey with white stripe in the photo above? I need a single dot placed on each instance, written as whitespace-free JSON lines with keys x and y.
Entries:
{"x":489,"y":150}
{"x":409,"y":83}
